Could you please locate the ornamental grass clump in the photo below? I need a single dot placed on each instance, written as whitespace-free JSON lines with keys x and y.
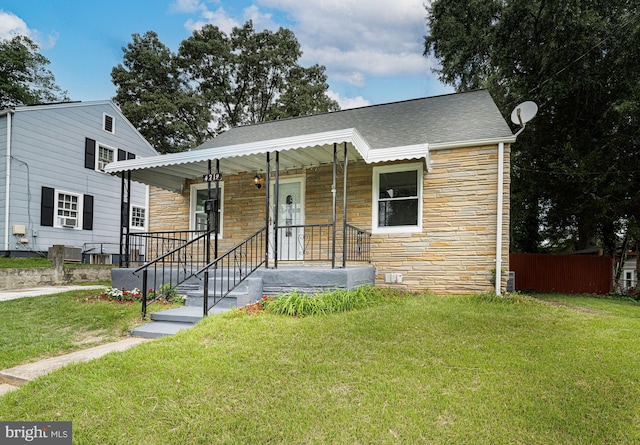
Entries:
{"x":300,"y":304}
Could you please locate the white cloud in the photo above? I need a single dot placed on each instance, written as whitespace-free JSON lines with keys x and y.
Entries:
{"x":348,"y":102}
{"x":353,"y":39}
{"x":186,"y":6}
{"x":219,"y":18}
{"x":11,"y":25}
{"x":376,"y":37}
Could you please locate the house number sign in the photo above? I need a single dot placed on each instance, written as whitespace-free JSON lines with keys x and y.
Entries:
{"x":212,"y":177}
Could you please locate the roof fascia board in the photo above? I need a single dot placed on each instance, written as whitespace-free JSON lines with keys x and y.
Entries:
{"x":399,"y":153}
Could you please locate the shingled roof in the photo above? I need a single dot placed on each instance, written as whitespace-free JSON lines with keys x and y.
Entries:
{"x":378,"y":133}
{"x":450,"y":118}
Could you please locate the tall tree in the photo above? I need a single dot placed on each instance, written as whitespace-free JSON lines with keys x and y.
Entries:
{"x":575,"y":167}
{"x":155,"y":97}
{"x":214,"y":82}
{"x":24,"y":78}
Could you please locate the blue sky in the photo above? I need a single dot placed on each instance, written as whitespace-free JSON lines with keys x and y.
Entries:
{"x":372,"y":49}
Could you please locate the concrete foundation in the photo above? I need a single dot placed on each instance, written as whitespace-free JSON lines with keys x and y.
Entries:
{"x":307,"y":279}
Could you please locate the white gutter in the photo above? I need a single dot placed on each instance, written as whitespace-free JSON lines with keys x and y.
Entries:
{"x":499,"y":218}
{"x":434,"y":146}
{"x":7,"y":191}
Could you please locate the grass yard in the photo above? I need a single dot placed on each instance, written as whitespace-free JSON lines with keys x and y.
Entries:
{"x":11,"y":263}
{"x":417,"y":369}
{"x":45,"y":326}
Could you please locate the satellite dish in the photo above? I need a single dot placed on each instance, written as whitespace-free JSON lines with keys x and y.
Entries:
{"x":524,"y":112}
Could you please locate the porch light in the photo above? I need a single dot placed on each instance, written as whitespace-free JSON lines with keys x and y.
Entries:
{"x":258,"y":180}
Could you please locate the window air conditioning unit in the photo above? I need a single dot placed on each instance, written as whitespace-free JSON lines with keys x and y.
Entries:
{"x":69,"y":222}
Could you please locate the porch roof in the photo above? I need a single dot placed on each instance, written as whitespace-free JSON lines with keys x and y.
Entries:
{"x":380,"y":133}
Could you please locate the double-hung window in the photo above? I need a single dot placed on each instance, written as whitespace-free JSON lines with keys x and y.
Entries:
{"x":105,"y":156}
{"x":198,"y":208}
{"x":397,"y":198}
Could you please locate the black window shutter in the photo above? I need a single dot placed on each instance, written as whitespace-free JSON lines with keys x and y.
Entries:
{"x":131,"y":155}
{"x":47,"y":206}
{"x":89,"y":153}
{"x":87,"y":213}
{"x":122,"y":155}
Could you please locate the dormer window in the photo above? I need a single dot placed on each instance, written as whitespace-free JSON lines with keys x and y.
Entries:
{"x":108,"y":124}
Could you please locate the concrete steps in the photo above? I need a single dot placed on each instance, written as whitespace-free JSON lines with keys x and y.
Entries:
{"x":171,"y":321}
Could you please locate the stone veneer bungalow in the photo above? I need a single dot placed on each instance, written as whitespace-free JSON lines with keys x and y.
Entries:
{"x":428,"y":179}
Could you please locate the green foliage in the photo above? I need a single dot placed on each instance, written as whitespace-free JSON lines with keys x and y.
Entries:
{"x":214,"y":82}
{"x":411,"y":370}
{"x":166,"y":293}
{"x":24,"y":78}
{"x":576,"y":168}
{"x":50,"y":325}
{"x":154,"y":95}
{"x":301,"y":304}
{"x":19,"y":263}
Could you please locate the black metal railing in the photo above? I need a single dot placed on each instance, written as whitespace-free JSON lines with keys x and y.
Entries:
{"x":311,"y":242}
{"x":226,"y":272}
{"x":188,"y":257}
{"x":170,"y":269}
{"x":357,"y":246}
{"x":144,"y":246}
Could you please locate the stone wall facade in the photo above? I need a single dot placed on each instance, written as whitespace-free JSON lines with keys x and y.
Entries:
{"x":454,"y":253}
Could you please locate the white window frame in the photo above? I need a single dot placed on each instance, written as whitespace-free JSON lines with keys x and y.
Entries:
{"x":58,"y":219}
{"x":113,"y":123}
{"x":193,"y":195}
{"x":131,"y":217}
{"x":106,"y":147}
{"x":377,"y":171}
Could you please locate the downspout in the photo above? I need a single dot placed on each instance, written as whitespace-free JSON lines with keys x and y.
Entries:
{"x":7,"y":191}
{"x":499,"y":218}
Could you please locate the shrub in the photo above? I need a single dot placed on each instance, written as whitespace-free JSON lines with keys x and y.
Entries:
{"x":166,"y":293}
{"x":300,"y":304}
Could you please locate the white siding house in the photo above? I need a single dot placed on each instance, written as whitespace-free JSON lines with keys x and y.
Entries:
{"x":54,"y":189}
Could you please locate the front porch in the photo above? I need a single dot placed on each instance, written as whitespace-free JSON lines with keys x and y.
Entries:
{"x":263,"y":281}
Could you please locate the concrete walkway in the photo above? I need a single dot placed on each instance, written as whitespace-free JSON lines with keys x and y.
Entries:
{"x":12,"y":378}
{"x":6,"y":295}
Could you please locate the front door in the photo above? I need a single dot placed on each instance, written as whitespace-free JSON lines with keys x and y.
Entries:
{"x":290,"y":220}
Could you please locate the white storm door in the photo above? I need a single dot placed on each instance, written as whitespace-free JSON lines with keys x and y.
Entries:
{"x":290,"y":220}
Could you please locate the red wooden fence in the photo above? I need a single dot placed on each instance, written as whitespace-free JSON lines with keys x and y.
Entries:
{"x":570,"y":274}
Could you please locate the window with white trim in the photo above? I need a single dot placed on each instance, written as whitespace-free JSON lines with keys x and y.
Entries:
{"x":108,"y":123}
{"x":138,"y":217}
{"x":197,"y":210}
{"x":68,"y":210}
{"x":105,"y":156}
{"x":397,"y":198}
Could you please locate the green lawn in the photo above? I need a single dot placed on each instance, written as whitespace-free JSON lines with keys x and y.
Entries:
{"x":38,"y":327}
{"x":11,"y":263}
{"x":420,"y":369}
